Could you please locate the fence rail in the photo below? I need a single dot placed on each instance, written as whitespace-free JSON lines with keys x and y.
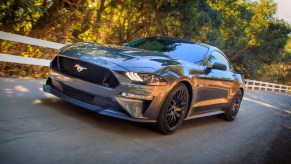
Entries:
{"x":265,"y":86}
{"x":249,"y":84}
{"x":29,"y":40}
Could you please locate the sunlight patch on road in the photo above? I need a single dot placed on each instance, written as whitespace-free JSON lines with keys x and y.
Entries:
{"x":9,"y":80}
{"x":286,"y":126}
{"x":21,"y":88}
{"x":48,"y":95}
{"x":37,"y":101}
{"x":7,"y":91}
{"x":275,"y":109}
{"x":262,"y":103}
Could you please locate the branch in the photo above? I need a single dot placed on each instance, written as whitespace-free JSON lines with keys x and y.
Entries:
{"x":239,"y":53}
{"x":71,"y":3}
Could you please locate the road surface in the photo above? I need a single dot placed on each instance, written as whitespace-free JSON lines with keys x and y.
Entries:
{"x":36,"y":127}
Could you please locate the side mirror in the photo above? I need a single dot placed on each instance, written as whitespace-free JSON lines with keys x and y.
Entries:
{"x":218,"y":66}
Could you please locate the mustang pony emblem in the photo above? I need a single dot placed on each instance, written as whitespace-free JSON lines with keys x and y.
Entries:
{"x":79,"y":68}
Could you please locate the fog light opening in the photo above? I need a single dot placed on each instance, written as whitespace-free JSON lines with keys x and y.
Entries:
{"x":135,"y":96}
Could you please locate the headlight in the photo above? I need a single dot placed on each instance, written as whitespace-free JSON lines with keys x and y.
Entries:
{"x":149,"y":79}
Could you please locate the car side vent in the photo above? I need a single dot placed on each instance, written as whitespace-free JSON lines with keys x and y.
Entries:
{"x":110,"y":81}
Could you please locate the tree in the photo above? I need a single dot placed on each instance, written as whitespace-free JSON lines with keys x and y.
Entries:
{"x":246,"y":31}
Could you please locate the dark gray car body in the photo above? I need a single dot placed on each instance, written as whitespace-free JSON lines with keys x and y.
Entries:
{"x":210,"y":90}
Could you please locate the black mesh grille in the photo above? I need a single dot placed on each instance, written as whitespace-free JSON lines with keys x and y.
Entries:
{"x":77,"y":94}
{"x":86,"y":97}
{"x":90,"y":72}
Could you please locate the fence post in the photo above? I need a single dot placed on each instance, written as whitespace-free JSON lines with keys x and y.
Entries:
{"x":266,"y":88}
{"x":246,"y":83}
{"x":260,"y":85}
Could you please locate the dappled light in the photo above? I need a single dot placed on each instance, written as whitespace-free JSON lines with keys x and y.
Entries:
{"x":17,"y":88}
{"x":288,"y":111}
{"x":277,"y":109}
{"x":32,"y":119}
{"x":48,"y":95}
{"x":8,"y":91}
{"x":20,"y":88}
{"x":10,"y":80}
{"x":261,"y":103}
{"x":37,"y":101}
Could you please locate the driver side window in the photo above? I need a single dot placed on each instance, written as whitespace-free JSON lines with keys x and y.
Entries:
{"x":217,"y":57}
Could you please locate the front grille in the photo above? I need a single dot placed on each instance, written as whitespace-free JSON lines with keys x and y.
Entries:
{"x":100,"y":101}
{"x":90,"y":72}
{"x":77,"y":94}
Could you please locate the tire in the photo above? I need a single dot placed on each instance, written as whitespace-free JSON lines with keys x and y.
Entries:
{"x":173,"y":110}
{"x":233,"y":108}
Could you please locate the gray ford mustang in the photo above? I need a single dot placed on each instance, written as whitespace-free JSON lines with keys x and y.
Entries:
{"x":161,"y":80}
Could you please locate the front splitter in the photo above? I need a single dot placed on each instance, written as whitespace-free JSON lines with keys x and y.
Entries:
{"x":103,"y":111}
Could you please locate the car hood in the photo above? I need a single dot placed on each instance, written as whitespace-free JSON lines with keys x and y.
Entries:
{"x":131,"y":59}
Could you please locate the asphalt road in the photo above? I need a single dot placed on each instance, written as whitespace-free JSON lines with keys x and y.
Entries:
{"x":36,"y":127}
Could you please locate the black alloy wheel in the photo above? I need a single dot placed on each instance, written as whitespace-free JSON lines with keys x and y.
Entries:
{"x":174,"y":109}
{"x":236,"y":105}
{"x":233,"y":109}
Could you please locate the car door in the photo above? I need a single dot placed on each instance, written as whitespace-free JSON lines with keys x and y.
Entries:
{"x":217,"y":83}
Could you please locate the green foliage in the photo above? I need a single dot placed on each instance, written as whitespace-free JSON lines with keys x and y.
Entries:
{"x":246,"y":31}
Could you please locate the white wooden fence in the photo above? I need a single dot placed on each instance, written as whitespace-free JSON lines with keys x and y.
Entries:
{"x":30,"y":41}
{"x":265,"y":86}
{"x":249,"y":84}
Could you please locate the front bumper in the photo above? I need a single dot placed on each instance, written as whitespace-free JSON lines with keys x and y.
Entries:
{"x":100,"y":110}
{"x":109,"y":101}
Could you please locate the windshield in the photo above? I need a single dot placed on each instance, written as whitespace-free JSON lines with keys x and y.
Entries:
{"x":175,"y":48}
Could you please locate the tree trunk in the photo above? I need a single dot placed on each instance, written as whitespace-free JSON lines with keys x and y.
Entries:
{"x":239,"y":53}
{"x":86,"y":23}
{"x":49,"y":18}
{"x":46,"y":19}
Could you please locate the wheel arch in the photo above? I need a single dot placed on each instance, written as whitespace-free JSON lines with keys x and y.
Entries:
{"x":190,"y":92}
{"x":242,"y":91}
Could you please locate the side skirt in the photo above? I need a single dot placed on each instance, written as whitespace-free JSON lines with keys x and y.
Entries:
{"x":197,"y":115}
